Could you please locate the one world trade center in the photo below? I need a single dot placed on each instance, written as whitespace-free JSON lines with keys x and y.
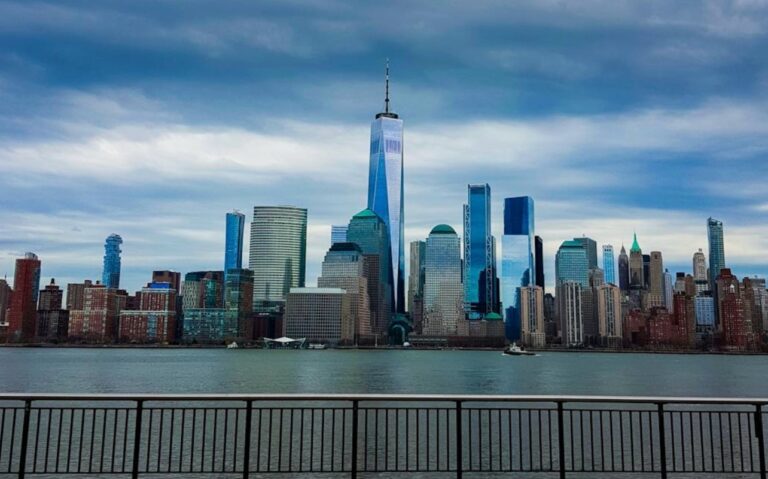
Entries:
{"x":385,"y":187}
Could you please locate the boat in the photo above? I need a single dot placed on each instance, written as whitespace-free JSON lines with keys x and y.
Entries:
{"x":317,"y":346}
{"x":515,"y":350}
{"x":232,"y":345}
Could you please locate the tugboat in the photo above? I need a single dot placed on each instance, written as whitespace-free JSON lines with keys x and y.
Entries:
{"x":233,"y":345}
{"x":515,"y":350}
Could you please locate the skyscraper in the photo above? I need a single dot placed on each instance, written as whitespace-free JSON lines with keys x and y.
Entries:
{"x":338,"y":234}
{"x":532,"y":316}
{"x":278,"y":254}
{"x":572,"y":263}
{"x":609,"y":266}
{"x":52,"y":320}
{"x":636,"y":271}
{"x":572,"y":280}
{"x":656,"y":281}
{"x":699,"y":266}
{"x":539,"y":261}
{"x":518,"y":265}
{"x":110,"y":277}
{"x":623,"y":270}
{"x":669,"y":289}
{"x":368,"y":231}
{"x":416,"y":277}
{"x":233,"y":249}
{"x":385,"y":187}
{"x":5,"y":298}
{"x":443,"y":291}
{"x":479,"y":258}
{"x":22,"y":313}
{"x":590,"y":246}
{"x":716,"y":249}
{"x":609,"y":314}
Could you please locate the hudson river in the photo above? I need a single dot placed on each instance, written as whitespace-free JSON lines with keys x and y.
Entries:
{"x":72,"y":370}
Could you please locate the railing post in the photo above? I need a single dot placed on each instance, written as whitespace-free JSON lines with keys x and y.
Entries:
{"x":137,"y":438}
{"x":662,"y":442}
{"x":560,"y":439}
{"x":760,"y":438}
{"x":247,"y":444}
{"x":355,"y":439}
{"x":459,"y":447}
{"x":24,"y":438}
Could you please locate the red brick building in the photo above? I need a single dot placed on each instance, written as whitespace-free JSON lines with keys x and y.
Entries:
{"x":734,"y":314}
{"x":155,"y":320}
{"x":98,"y":320}
{"x":22,"y":312}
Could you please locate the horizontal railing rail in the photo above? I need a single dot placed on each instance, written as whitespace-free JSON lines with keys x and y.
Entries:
{"x":451,"y":435}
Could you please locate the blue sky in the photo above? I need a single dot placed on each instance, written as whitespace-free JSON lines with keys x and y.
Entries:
{"x":153,"y":119}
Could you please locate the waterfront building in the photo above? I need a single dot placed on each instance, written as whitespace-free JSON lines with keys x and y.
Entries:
{"x":233,"y":241}
{"x":532,"y":316}
{"x":214,"y":313}
{"x":173,"y":278}
{"x":385,"y":189}
{"x":609,"y":314}
{"x":278,"y":253}
{"x":238,"y":300}
{"x":5,"y":299}
{"x":51,"y":297}
{"x":669,"y":289}
{"x":76,"y":294}
{"x":760,"y":311}
{"x":699,"y":266}
{"x":683,"y":309}
{"x":538,"y":262}
{"x":155,"y":318}
{"x":319,"y":315}
{"x":656,"y":295}
{"x":590,"y":246}
{"x":22,"y":312}
{"x":664,"y":329}
{"x":344,"y":268}
{"x":518,"y":265}
{"x":110,"y":276}
{"x":338,"y":234}
{"x":590,"y":313}
{"x":572,"y":263}
{"x":636,"y":270}
{"x":203,"y":290}
{"x":733,"y":313}
{"x":480,"y":284}
{"x":609,"y":266}
{"x":213,"y":325}
{"x":716,"y":249}
{"x":623,"y":270}
{"x":569,"y":297}
{"x":52,"y":320}
{"x":99,"y":318}
{"x":443,"y":290}
{"x":705,"y":312}
{"x":416,"y":278}
{"x":368,"y":231}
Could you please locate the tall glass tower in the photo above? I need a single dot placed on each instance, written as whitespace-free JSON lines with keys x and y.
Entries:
{"x":609,"y":265}
{"x":233,"y":251}
{"x":518,"y":265}
{"x":385,"y":187}
{"x":479,"y":257}
{"x":716,"y":249}
{"x":443,"y":291}
{"x":110,"y":276}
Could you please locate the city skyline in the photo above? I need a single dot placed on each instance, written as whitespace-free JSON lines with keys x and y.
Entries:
{"x":278,"y":113}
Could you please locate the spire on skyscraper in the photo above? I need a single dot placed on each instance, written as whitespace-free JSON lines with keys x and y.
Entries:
{"x":386,"y":113}
{"x":635,"y":245}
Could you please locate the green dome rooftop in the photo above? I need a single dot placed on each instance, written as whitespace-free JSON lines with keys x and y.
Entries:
{"x":442,"y":230}
{"x":366,"y":213}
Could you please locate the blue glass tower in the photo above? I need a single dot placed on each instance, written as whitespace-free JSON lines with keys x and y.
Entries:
{"x":385,"y":188}
{"x":716,"y":249}
{"x":110,"y":276}
{"x":518,"y":265}
{"x":572,"y":263}
{"x":609,"y":264}
{"x":480,"y":291}
{"x":233,"y":252}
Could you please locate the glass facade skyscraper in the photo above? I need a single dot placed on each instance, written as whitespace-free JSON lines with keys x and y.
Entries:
{"x":609,"y":265}
{"x":110,"y":276}
{"x":716,"y":249}
{"x":480,"y":290}
{"x":572,"y":263}
{"x":518,"y":265}
{"x":278,"y":254}
{"x":590,"y":246}
{"x":338,"y":234}
{"x":233,"y":249}
{"x":443,"y":291}
{"x":385,"y":188}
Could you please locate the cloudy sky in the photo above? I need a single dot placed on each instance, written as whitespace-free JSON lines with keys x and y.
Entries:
{"x":153,"y":119}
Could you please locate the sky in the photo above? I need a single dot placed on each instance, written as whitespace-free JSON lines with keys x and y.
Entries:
{"x":153,"y":119}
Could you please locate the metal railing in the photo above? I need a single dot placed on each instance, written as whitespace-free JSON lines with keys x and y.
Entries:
{"x":254,"y":435}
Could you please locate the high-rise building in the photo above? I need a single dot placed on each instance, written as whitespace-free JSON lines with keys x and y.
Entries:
{"x":656,"y":295}
{"x":52,"y":320}
{"x":98,"y":321}
{"x":623,"y":270}
{"x":539,"y":261}
{"x":385,"y":188}
{"x":699,"y":266}
{"x":320,"y":315}
{"x":636,"y":269}
{"x":609,"y":314}
{"x":217,"y":307}
{"x":110,"y":276}
{"x":716,"y":249}
{"x":238,"y":300}
{"x":609,"y":266}
{"x":5,"y":299}
{"x":416,"y":276}
{"x":278,"y":254}
{"x":338,"y":234}
{"x":705,"y":312}
{"x":51,"y":297}
{"x":173,"y":278}
{"x":590,"y":246}
{"x":647,"y":270}
{"x":569,"y":307}
{"x":532,"y":316}
{"x":368,"y":231}
{"x":76,"y":294}
{"x":669,"y":290}
{"x":480,"y":290}
{"x":22,"y":313}
{"x":572,"y":263}
{"x":155,"y":318}
{"x":518,"y":265}
{"x":572,"y":277}
{"x":233,"y":249}
{"x":734,"y":316}
{"x":344,"y":268}
{"x":443,"y":291}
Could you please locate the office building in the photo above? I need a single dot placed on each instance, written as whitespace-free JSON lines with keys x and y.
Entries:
{"x":539,"y":262}
{"x":480,"y":284}
{"x":319,"y":315}
{"x":636,"y":266}
{"x":385,"y":188}
{"x":656,"y":294}
{"x":5,"y":299}
{"x":623,"y":270}
{"x":110,"y":276}
{"x":238,"y":300}
{"x":278,"y":253}
{"x":338,"y":234}
{"x":590,"y":246}
{"x":98,"y":321}
{"x":216,"y":306}
{"x":572,"y":263}
{"x":416,"y":276}
{"x":155,"y":319}
{"x":699,"y":266}
{"x":569,"y":297}
{"x":518,"y":265}
{"x":609,"y":266}
{"x":443,"y":290}
{"x":716,"y":248}
{"x":705,"y":312}
{"x":22,"y":312}
{"x":76,"y":294}
{"x":233,"y":241}
{"x":173,"y":278}
{"x":532,"y":316}
{"x":669,"y":289}
{"x":609,"y":315}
